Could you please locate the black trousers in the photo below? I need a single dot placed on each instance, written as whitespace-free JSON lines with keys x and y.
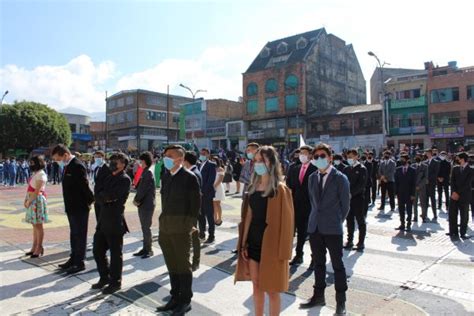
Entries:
{"x":113,"y":243}
{"x":196,"y":244}
{"x":387,"y":187}
{"x":431,"y":197}
{"x":176,"y":248}
{"x":97,"y":207}
{"x":373,"y":189}
{"x":367,"y":200}
{"x":207,"y":213}
{"x":458,"y":209}
{"x":146,"y":218}
{"x":78,"y":236}
{"x":357,"y":212}
{"x":443,"y":187}
{"x":301,"y":226}
{"x":405,"y":207}
{"x":333,"y":243}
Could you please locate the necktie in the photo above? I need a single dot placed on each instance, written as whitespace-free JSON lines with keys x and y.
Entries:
{"x":320,"y":184}
{"x":302,"y":172}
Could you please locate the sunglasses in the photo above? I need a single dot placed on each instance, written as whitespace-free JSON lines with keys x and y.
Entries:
{"x":322,"y":156}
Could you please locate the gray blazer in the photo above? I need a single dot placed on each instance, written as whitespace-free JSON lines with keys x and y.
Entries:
{"x":329,"y":210}
{"x":146,"y":193}
{"x":387,"y":169}
{"x":421,"y":174}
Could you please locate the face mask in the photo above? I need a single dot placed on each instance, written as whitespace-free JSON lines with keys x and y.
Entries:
{"x":321,"y":163}
{"x":202,"y":158}
{"x":99,"y":161}
{"x":386,"y":157}
{"x":303,"y":158}
{"x":350,"y":161}
{"x":370,"y":159}
{"x":337,"y":162}
{"x":260,"y":168}
{"x":61,"y":163}
{"x":250,"y":156}
{"x":113,"y":166}
{"x":169,"y":163}
{"x":442,"y":157}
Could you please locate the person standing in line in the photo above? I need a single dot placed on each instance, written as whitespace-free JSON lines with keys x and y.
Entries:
{"x":471,"y":163}
{"x":111,"y":225}
{"x":330,"y":202}
{"x":36,"y":205}
{"x":219,"y":188}
{"x":421,"y":180}
{"x":357,"y":175}
{"x":228,"y":175}
{"x":101,"y":172}
{"x":145,"y":201}
{"x":433,"y":171}
{"x":237,"y":169}
{"x":461,"y":182}
{"x":369,"y":165}
{"x":339,"y":163}
{"x":387,"y":180}
{"x":13,"y":172}
{"x":443,"y":180}
{"x":180,"y":202}
{"x":6,"y":172}
{"x":301,"y":203}
{"x":190,"y":160}
{"x":78,"y":199}
{"x":292,"y":171}
{"x":247,"y":169}
{"x":405,"y":190}
{"x":266,"y":233}
{"x":208,"y":172}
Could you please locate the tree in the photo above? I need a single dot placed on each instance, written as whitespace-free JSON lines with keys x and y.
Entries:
{"x":29,"y":125}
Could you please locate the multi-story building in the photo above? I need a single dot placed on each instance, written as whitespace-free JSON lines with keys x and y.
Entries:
{"x":295,"y":80}
{"x":407,"y":110}
{"x":80,"y":131}
{"x":451,"y":106}
{"x":98,"y":132}
{"x":350,"y":126}
{"x":143,"y":120}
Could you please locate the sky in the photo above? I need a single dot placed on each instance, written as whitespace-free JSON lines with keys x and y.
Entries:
{"x":68,"y":53}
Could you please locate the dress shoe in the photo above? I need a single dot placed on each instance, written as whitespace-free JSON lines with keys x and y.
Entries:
{"x":147,"y":254}
{"x":435,"y":219}
{"x":99,"y":285}
{"x":314,"y":301}
{"x":218,"y":223}
{"x":195,"y":266}
{"x":181,"y":309}
{"x":29,"y":253}
{"x":408,"y":229}
{"x":381,"y":208}
{"x":401,"y":227}
{"x":425,"y":220}
{"x":341,"y":308}
{"x":140,"y":253}
{"x":465,"y":236}
{"x":76,"y":269}
{"x":359,"y":248}
{"x":415,"y":220}
{"x":209,"y":240}
{"x":112,"y":288}
{"x":348,"y":245}
{"x":297,"y":260}
{"x":36,"y":255}
{"x":66,"y":265}
{"x":202,"y":237}
{"x":168,"y":307}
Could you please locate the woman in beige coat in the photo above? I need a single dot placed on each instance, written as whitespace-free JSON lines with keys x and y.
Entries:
{"x":266,"y":232}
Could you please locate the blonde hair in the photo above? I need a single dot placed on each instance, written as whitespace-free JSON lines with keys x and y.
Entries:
{"x":275,"y":173}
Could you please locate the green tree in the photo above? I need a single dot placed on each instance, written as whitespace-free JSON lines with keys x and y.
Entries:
{"x":29,"y":125}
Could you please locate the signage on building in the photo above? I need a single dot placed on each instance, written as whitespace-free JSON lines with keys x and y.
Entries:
{"x":412,"y":129}
{"x":324,"y":137}
{"x":81,"y":137}
{"x":296,"y":131}
{"x":447,"y":132}
{"x":255,"y":134}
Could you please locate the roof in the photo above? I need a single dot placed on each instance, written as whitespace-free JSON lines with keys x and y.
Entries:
{"x":122,"y":92}
{"x":353,"y":109}
{"x":292,"y":55}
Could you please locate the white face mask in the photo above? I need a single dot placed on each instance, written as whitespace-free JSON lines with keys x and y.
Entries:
{"x":303,"y":158}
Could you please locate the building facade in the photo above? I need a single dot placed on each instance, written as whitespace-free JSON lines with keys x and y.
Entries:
{"x":295,"y":80}
{"x":80,"y":132}
{"x":98,"y":132}
{"x":451,"y":106}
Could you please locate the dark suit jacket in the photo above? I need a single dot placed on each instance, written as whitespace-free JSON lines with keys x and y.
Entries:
{"x":292,"y":176}
{"x":145,"y":196}
{"x":197,"y":173}
{"x":370,"y":171}
{"x":208,"y":173}
{"x":433,"y":170}
{"x":300,"y":191}
{"x":357,"y":176}
{"x":461,"y":182}
{"x":100,"y":174}
{"x":78,"y":197}
{"x":405,"y":184}
{"x":444,"y":171}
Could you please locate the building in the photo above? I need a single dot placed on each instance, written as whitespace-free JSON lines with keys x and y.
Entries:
{"x":408,"y":110}
{"x":80,"y":131}
{"x":295,"y":80}
{"x":350,"y":126}
{"x":138,"y":119}
{"x":206,"y":122}
{"x":451,"y":106}
{"x":98,"y":132}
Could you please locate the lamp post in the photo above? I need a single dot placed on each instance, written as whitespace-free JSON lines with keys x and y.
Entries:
{"x":193,"y":93}
{"x":3,"y":97}
{"x":385,"y":125}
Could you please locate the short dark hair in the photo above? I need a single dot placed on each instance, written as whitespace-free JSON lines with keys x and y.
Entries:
{"x":218,"y":161}
{"x":353,"y":151}
{"x":38,"y":163}
{"x":443,"y":153}
{"x":387,"y":152}
{"x":255,"y":145}
{"x":121,"y":157}
{"x":337,"y":157}
{"x":60,"y":150}
{"x":405,"y":156}
{"x":99,"y":153}
{"x":323,"y":146}
{"x":177,"y":148}
{"x":147,"y":158}
{"x":206,"y":150}
{"x":190,"y":157}
{"x":306,"y":147}
{"x":463,"y":155}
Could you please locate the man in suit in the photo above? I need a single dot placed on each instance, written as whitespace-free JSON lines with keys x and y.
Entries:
{"x":208,"y":172}
{"x":101,"y":172}
{"x":461,"y":182}
{"x":421,"y":171}
{"x":405,"y":189}
{"x":247,"y":169}
{"x":471,"y":163}
{"x":443,"y":179}
{"x":373,"y":176}
{"x":329,"y":194}
{"x":387,"y":180}
{"x":433,"y":170}
{"x":301,"y":204}
{"x":56,"y":175}
{"x":180,"y":202}
{"x":369,"y":165}
{"x":111,"y":225}
{"x":190,"y":160}
{"x":292,"y":172}
{"x":339,"y":162}
{"x":78,"y":199}
{"x":357,"y":175}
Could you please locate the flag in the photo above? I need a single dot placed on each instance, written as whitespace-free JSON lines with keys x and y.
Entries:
{"x":302,"y":142}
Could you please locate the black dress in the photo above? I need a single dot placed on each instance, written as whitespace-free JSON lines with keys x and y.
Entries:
{"x":257,"y":225}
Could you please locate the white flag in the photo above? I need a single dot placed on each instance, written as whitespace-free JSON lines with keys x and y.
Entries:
{"x":302,"y":142}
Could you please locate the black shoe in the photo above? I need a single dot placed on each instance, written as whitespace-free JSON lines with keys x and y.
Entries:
{"x":408,"y":229}
{"x":147,"y":254}
{"x":181,"y":309}
{"x":168,"y":307}
{"x":348,"y":245}
{"x":415,"y":220}
{"x":435,"y":219}
{"x":297,"y":260}
{"x":195,"y":266}
{"x":112,"y":288}
{"x":66,"y":265}
{"x":234,"y":251}
{"x":218,"y":223}
{"x":75,"y":269}
{"x":381,"y":208}
{"x":341,"y":309}
{"x":401,"y":227}
{"x":140,"y":253}
{"x":314,"y":301}
{"x":202,"y":237}
{"x":99,"y":285}
{"x":465,"y":236}
{"x":425,"y":220}
{"x":359,"y":248}
{"x":29,"y":253}
{"x":209,"y":240}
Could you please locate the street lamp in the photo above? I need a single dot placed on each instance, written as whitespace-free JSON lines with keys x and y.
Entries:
{"x":384,"y":96}
{"x":3,"y":97}
{"x":194,"y":97}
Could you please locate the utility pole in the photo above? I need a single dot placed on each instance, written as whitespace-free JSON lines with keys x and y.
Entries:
{"x":106,"y":124}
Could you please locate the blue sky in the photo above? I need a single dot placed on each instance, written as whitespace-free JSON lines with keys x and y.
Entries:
{"x":67,"y":53}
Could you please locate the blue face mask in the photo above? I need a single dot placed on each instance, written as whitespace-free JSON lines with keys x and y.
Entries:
{"x":99,"y":161}
{"x":321,"y":163}
{"x":350,"y":161}
{"x":61,"y":164}
{"x":168,"y":162}
{"x":202,"y":158}
{"x":250,"y":156}
{"x":260,"y":168}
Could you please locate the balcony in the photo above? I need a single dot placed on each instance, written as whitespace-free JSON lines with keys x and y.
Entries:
{"x":408,"y":103}
{"x":408,"y":130}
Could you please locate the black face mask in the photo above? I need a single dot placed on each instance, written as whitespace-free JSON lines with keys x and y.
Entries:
{"x":418,"y":160}
{"x":113,"y":166}
{"x":386,"y":157}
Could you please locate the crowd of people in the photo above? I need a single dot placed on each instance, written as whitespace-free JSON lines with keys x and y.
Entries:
{"x":311,"y":197}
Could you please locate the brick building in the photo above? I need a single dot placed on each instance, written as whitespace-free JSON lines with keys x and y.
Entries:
{"x":451,"y":106}
{"x":80,"y":131}
{"x":295,"y":80}
{"x":98,"y":132}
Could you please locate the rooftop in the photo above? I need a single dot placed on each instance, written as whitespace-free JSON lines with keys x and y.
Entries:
{"x":353,"y":109}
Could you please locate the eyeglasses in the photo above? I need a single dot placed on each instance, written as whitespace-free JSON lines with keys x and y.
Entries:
{"x":322,"y":156}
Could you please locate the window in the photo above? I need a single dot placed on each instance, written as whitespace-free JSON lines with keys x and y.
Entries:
{"x":271,"y":105}
{"x":175,"y":118}
{"x":291,"y":82}
{"x":470,"y":93}
{"x":252,"y":106}
{"x":120,"y":102}
{"x":121,"y":117}
{"x":129,"y":100}
{"x":271,"y":86}
{"x":408,"y":94}
{"x":291,"y":102}
{"x":444,"y":95}
{"x":130,"y":116}
{"x":301,"y":43}
{"x":364,"y":122}
{"x":252,"y":89}
{"x":265,"y":52}
{"x":156,"y":116}
{"x":152,"y":100}
{"x":445,"y":118}
{"x":111,"y":104}
{"x":470,"y":117}
{"x":282,"y":48}
{"x":345,"y":125}
{"x":72,"y":127}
